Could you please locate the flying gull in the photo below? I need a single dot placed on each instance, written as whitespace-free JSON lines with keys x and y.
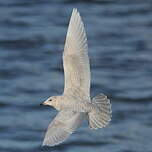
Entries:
{"x":75,"y":104}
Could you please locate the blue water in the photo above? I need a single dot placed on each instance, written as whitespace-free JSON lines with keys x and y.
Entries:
{"x":32,"y":35}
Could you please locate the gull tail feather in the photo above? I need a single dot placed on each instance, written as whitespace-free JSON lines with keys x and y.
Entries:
{"x":101,"y":115}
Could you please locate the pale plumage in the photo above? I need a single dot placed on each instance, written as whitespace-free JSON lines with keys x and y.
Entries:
{"x":62,"y":126}
{"x":75,"y":57}
{"x":75,"y":103}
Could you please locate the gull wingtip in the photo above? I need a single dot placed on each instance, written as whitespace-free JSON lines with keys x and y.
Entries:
{"x":43,"y":144}
{"x":75,"y":10}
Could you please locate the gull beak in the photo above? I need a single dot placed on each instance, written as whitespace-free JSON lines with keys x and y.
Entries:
{"x":43,"y":104}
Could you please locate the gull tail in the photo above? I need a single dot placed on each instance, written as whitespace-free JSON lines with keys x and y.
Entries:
{"x":101,"y":115}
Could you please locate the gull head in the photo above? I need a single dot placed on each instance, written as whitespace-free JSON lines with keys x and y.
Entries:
{"x":52,"y":101}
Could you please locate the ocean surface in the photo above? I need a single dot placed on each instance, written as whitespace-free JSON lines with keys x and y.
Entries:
{"x":32,"y":35}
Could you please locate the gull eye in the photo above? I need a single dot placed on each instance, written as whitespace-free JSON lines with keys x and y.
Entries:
{"x":50,"y":99}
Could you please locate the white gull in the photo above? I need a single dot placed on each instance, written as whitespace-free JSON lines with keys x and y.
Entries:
{"x":75,"y":104}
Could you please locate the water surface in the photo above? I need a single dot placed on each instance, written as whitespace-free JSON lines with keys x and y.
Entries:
{"x":32,"y":35}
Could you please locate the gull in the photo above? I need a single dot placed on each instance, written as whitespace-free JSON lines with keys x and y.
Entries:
{"x":75,"y":104}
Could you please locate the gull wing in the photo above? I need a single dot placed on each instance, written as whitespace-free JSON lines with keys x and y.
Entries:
{"x":64,"y":124}
{"x":75,"y":57}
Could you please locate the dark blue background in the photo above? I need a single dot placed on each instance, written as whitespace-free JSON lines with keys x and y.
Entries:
{"x":32,"y":35}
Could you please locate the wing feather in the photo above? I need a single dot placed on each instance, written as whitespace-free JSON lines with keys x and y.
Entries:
{"x":64,"y":124}
{"x":75,"y":57}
